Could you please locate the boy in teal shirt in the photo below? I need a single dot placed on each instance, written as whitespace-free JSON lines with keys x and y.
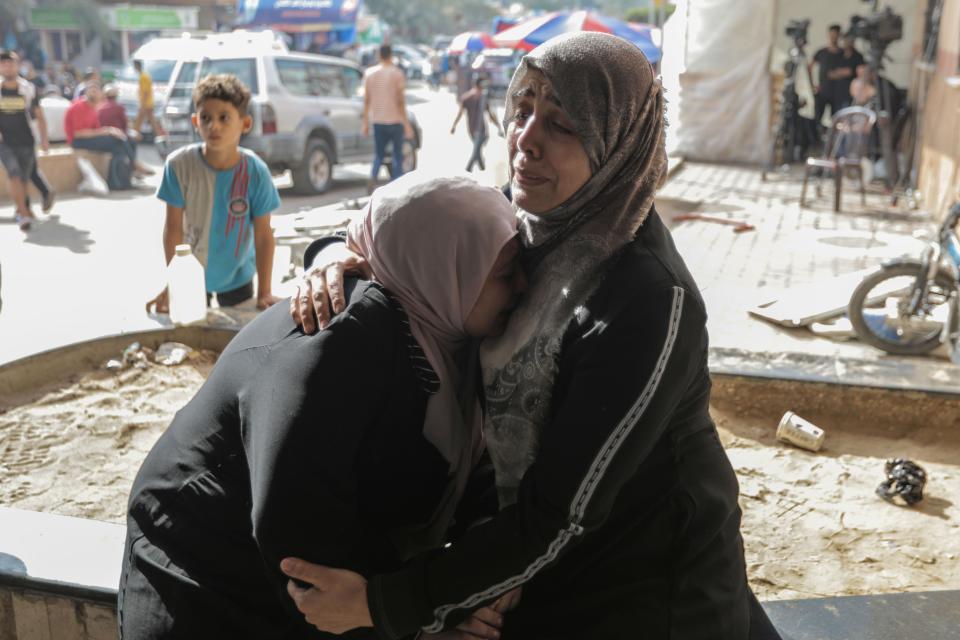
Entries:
{"x":219,"y":198}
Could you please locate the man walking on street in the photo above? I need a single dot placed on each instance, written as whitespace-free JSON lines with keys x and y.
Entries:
{"x":145,"y":95}
{"x":384,"y":104}
{"x":19,"y":106}
{"x":475,"y":103}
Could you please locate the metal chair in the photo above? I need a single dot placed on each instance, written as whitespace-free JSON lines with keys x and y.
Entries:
{"x":847,"y":143}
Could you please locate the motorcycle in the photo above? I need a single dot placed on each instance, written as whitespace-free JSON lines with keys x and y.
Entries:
{"x":911,"y":306}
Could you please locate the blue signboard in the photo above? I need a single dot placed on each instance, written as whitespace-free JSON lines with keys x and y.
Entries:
{"x":298,"y":15}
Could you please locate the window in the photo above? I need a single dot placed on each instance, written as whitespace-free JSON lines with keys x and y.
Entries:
{"x":352,"y":81}
{"x":74,"y":44}
{"x":325,"y":80}
{"x":183,"y":87}
{"x":314,"y":79}
{"x":160,"y":70}
{"x":293,"y":76}
{"x":244,"y":68}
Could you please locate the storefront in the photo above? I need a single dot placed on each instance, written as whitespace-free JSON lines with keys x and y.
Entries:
{"x":313,"y":24}
{"x":66,"y":33}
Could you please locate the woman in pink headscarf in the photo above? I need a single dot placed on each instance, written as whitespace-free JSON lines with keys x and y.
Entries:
{"x":373,"y":423}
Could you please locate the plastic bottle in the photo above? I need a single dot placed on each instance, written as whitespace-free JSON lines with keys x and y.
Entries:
{"x":186,"y":288}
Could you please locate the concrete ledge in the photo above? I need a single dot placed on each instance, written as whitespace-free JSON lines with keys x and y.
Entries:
{"x":31,"y":373}
{"x":60,"y":555}
{"x":33,"y":615}
{"x":59,"y":167}
{"x":929,"y":615}
{"x":919,"y":374}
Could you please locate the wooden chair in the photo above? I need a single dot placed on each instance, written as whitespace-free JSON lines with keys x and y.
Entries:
{"x":847,"y":143}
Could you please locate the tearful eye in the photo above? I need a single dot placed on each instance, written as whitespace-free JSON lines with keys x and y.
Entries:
{"x":562,"y":128}
{"x":520,"y":116}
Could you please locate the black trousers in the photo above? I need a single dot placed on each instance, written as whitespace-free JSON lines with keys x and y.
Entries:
{"x":233,"y":297}
{"x":836,"y":103}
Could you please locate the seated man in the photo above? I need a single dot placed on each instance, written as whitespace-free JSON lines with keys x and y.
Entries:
{"x":84,"y":131}
{"x":111,"y":113}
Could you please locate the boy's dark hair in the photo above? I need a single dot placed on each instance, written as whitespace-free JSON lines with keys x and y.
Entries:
{"x":386,"y":51}
{"x":138,"y":65}
{"x":9,"y":54}
{"x":835,"y":27}
{"x":226,"y":87}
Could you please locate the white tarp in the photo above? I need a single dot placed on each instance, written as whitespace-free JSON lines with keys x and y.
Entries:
{"x":715,"y":72}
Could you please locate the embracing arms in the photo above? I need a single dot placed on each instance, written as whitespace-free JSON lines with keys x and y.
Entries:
{"x":627,"y":379}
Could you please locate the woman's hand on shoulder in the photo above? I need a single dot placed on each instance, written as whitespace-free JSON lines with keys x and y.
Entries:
{"x":320,"y":294}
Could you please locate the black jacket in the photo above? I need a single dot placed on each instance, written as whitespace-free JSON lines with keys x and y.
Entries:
{"x":296,"y":445}
{"x":627,"y":524}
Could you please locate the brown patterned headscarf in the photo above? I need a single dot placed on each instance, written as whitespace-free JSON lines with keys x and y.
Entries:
{"x":609,"y":91}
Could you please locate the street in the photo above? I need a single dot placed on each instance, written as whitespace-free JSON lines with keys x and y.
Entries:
{"x":88,"y":269}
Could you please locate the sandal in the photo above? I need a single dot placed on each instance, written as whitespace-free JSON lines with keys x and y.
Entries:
{"x":23,"y":222}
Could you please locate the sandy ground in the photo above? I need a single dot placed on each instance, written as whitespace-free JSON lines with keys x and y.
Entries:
{"x":76,"y":449}
{"x":812,"y":525}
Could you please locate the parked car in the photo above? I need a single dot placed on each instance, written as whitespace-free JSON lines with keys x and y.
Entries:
{"x":307,"y":111}
{"x":414,"y":63}
{"x":497,"y":65}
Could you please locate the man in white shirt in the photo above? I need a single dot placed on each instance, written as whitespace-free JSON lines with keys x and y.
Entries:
{"x":385,"y":106}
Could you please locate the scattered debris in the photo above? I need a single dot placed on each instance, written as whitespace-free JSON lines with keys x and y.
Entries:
{"x":904,"y":483}
{"x":172,"y":353}
{"x":839,"y":329}
{"x":800,"y":432}
{"x":133,"y":356}
{"x":739,"y":226}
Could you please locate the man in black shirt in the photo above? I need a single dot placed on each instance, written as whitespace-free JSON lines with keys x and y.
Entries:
{"x":845,"y":71}
{"x":828,"y":59}
{"x":19,"y":105}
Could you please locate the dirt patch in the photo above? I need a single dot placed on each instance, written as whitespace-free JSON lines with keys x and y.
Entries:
{"x":813,"y":524}
{"x":75,"y":449}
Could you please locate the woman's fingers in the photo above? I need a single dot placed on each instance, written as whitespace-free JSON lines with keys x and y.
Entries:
{"x":508,"y":601}
{"x":483,"y":623}
{"x":334,"y":280}
{"x":319,"y":299}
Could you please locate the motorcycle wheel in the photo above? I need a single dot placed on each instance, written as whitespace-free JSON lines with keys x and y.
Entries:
{"x":872,"y":304}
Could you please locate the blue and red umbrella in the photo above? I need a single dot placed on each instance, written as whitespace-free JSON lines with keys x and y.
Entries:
{"x":471,"y":41}
{"x":534,"y":32}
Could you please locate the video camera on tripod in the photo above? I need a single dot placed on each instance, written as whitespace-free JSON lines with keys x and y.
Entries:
{"x":880,"y":28}
{"x":797,"y":31}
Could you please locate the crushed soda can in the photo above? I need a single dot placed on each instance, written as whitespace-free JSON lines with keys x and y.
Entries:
{"x":799,"y":432}
{"x":904,"y":484}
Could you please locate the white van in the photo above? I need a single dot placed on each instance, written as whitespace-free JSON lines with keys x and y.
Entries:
{"x":160,"y":56}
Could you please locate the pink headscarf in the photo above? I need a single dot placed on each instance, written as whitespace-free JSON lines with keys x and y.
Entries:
{"x":432,"y":243}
